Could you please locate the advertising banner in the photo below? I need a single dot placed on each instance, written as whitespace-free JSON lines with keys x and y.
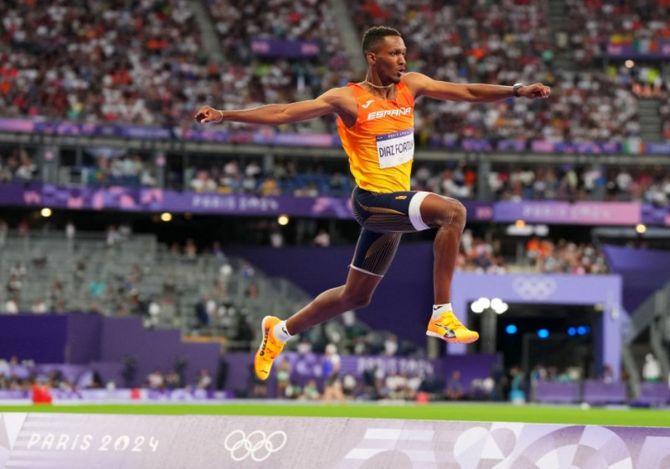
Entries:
{"x":130,"y":441}
{"x":285,"y":48}
{"x":577,"y":213}
{"x":269,"y":136}
{"x":137,"y":199}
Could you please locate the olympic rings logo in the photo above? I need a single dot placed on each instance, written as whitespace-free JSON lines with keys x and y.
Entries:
{"x":256,"y":445}
{"x":534,"y":288}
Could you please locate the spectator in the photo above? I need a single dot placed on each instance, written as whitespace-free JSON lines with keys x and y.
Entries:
{"x":651,"y":371}
{"x":322,"y":238}
{"x":156,"y":380}
{"x":204,"y":380}
{"x":331,"y":371}
{"x":454,"y":391}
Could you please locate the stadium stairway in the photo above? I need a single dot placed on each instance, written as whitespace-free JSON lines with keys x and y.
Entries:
{"x":342,"y":15}
{"x":646,"y":292}
{"x":558,"y":21}
{"x":210,"y":40}
{"x":650,"y":123}
{"x":97,"y":278}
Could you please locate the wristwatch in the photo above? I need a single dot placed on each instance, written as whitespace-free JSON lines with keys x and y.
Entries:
{"x":515,"y":89}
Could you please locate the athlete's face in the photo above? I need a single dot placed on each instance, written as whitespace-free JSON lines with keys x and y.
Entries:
{"x":388,"y":60}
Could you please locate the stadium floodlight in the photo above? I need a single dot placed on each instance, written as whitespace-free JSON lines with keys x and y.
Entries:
{"x":502,"y":308}
{"x":511,"y":329}
{"x":485,"y":302}
{"x":541,"y":230}
{"x":477,"y":307}
{"x":543,"y":333}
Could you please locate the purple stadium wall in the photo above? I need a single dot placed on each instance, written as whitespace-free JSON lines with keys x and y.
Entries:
{"x":401,"y":303}
{"x":643,"y":271}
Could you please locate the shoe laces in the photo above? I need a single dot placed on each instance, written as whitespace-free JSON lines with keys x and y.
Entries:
{"x":271,"y":347}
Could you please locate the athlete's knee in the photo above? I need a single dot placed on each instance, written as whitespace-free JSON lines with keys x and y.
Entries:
{"x":453,"y":214}
{"x":355,"y":299}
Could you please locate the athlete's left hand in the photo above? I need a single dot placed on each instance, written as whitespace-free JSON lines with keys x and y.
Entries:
{"x":535,"y":91}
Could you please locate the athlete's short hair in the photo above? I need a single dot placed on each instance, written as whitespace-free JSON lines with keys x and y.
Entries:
{"x":375,"y":34}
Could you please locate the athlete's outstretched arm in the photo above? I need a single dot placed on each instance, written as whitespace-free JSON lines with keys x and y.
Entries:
{"x":423,"y":85}
{"x":274,"y":114}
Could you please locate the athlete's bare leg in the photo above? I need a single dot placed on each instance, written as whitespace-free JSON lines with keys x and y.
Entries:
{"x":354,"y":294}
{"x":449,"y":216}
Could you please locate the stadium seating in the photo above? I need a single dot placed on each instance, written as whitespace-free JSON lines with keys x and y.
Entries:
{"x":167,"y":73}
{"x":125,"y":276}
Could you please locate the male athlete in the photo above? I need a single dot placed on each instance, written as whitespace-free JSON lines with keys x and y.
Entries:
{"x":375,"y":121}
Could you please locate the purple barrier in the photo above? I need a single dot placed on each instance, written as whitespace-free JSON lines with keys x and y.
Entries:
{"x":135,"y":199}
{"x":578,"y":213}
{"x":640,"y":50}
{"x":147,"y":199}
{"x":155,"y":200}
{"x":285,"y":48}
{"x":83,"y":332}
{"x":42,"y":338}
{"x":653,"y":394}
{"x":51,"y":338}
{"x":652,"y":215}
{"x":9,"y":394}
{"x":556,"y":392}
{"x":269,"y":136}
{"x":599,"y":393}
{"x":125,"y":338}
{"x":543,"y":146}
{"x":472,"y":367}
{"x":109,"y":371}
{"x":45,"y":339}
{"x":69,"y":372}
{"x":310,"y":366}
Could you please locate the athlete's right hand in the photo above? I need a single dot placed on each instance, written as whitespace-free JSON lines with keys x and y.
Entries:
{"x":207,"y":114}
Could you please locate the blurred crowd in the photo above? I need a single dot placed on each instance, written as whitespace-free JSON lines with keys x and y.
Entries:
{"x":504,"y":43}
{"x":23,"y":375}
{"x":541,"y":255}
{"x":513,"y":182}
{"x":146,"y":62}
{"x":595,"y":24}
{"x":91,"y":61}
{"x":252,"y":80}
{"x":560,"y":182}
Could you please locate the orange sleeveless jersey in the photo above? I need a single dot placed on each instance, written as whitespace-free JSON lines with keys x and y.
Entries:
{"x":380,"y":145}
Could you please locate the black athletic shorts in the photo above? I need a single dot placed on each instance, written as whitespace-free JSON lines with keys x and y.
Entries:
{"x":384,"y":217}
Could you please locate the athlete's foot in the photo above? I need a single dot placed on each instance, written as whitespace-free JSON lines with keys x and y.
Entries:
{"x":269,"y":349}
{"x":448,"y":328}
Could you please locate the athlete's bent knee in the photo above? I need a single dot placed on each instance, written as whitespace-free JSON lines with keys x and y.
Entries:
{"x":356,"y":299}
{"x":453,"y":214}
{"x":460,"y":215}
